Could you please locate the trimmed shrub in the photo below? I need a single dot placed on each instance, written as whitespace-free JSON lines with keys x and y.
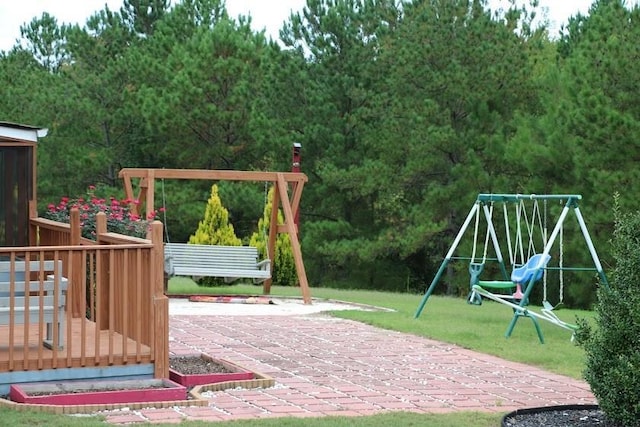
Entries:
{"x":612,"y":347}
{"x":214,"y":229}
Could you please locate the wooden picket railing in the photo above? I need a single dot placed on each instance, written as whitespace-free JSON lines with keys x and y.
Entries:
{"x":116,"y":312}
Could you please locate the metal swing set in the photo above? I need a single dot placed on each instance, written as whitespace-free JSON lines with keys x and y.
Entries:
{"x":528,"y":265}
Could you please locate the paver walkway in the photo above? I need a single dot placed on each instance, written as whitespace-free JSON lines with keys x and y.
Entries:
{"x":328,"y":366}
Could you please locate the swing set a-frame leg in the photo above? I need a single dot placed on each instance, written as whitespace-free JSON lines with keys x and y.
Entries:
{"x":516,"y":316}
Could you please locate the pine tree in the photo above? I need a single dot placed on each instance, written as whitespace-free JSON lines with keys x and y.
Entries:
{"x":284,"y":268}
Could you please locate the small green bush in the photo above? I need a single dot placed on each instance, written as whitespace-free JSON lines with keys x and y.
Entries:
{"x":214,"y":229}
{"x":612,"y":347}
{"x":284,"y":268}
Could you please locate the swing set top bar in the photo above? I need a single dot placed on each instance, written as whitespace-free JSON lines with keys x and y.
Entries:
{"x":223,"y":175}
{"x":517,"y":197}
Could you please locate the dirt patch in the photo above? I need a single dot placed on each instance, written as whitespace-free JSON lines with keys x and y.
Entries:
{"x":196,"y":365}
{"x":97,"y":389}
{"x":97,"y":392}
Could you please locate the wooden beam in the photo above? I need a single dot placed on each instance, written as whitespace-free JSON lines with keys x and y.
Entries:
{"x":214,"y":175}
{"x":142,"y":194}
{"x":293,"y":235}
{"x":128,"y":192}
{"x":271,"y":240}
{"x":150,"y":199}
{"x":78,"y":282}
{"x":295,"y":197}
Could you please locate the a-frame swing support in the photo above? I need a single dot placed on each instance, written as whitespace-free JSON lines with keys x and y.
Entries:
{"x":283,"y":183}
{"x":482,"y":202}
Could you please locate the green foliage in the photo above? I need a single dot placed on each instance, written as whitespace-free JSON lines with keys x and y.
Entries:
{"x":585,"y":138}
{"x":183,"y":201}
{"x":405,"y":110}
{"x":284,"y":268}
{"x":200,"y":96}
{"x":214,"y":229}
{"x":613,"y":359}
{"x":246,"y":201}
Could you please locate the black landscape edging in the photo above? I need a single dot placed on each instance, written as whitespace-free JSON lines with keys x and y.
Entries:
{"x":526,"y":411}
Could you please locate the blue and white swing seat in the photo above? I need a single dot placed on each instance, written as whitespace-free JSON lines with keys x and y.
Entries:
{"x":534,"y":268}
{"x":520,"y":276}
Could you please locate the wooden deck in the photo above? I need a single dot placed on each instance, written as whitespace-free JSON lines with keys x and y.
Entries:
{"x":84,"y":347}
{"x":110,"y":280}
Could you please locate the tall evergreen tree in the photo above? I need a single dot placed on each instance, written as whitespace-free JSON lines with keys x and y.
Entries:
{"x":201,"y":97}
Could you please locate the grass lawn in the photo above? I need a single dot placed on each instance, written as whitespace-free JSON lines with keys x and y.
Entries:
{"x":477,"y":419}
{"x":452,"y":320}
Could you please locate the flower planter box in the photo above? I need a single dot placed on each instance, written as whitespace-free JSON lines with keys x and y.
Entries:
{"x":233,"y":372}
{"x":97,"y":392}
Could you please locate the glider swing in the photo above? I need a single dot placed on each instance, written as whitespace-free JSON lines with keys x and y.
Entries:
{"x":526,"y":271}
{"x":228,"y":262}
{"x":283,"y":184}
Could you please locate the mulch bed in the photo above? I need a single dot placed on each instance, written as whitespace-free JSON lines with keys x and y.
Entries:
{"x":566,"y":417}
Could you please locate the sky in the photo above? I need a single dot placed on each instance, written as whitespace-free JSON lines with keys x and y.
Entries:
{"x":265,"y":14}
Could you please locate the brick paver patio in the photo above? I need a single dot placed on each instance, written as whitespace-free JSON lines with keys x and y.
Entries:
{"x":328,"y":366}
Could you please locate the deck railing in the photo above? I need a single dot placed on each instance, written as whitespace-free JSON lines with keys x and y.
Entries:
{"x":116,"y":311}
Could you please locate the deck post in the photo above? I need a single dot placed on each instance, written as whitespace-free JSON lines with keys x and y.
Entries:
{"x":102,"y":276}
{"x":74,"y":269}
{"x":33,"y":230}
{"x":160,"y":304}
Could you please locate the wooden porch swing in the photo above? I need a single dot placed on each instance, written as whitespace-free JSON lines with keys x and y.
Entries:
{"x":222,"y":258}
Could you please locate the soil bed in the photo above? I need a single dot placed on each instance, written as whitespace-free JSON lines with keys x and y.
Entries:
{"x":96,"y":392}
{"x":196,"y":365}
{"x":193,"y":370}
{"x":575,"y":416}
{"x":97,"y":389}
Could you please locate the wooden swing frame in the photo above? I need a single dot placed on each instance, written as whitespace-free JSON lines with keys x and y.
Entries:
{"x":283,"y":184}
